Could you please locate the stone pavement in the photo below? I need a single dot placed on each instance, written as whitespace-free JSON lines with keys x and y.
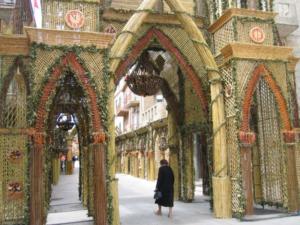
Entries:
{"x":137,"y":207}
{"x":65,"y":206}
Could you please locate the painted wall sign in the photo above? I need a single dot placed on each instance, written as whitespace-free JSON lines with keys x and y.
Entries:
{"x":257,"y":35}
{"x":74,"y":19}
{"x":37,"y":12}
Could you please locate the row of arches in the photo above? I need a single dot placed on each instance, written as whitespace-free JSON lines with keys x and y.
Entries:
{"x":17,"y":83}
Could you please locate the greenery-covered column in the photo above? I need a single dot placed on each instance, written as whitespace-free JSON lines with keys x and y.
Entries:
{"x":69,"y":162}
{"x":173,"y":143}
{"x":100,"y":197}
{"x":142,"y":164}
{"x":247,"y":140}
{"x":125,"y":166}
{"x":55,"y":169}
{"x":292,"y":183}
{"x":136,"y":164}
{"x":221,"y":180}
{"x":85,"y":176}
{"x":151,"y":165}
{"x":36,"y":186}
{"x":187,"y":166}
{"x":112,"y":192}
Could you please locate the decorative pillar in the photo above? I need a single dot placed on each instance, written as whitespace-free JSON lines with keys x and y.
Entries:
{"x":220,"y":180}
{"x":188,"y":169}
{"x":147,"y":165}
{"x":289,"y":138}
{"x":99,"y":179}
{"x":142,"y":164}
{"x":126,"y":160}
{"x":85,"y":175}
{"x":55,"y":169}
{"x":151,"y":165}
{"x":173,"y":144}
{"x":113,"y":187}
{"x":247,"y":139}
{"x":136,"y":163}
{"x":36,"y":177}
{"x":69,"y":161}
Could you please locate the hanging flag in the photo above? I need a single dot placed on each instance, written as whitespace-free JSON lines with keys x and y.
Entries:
{"x":37,"y":12}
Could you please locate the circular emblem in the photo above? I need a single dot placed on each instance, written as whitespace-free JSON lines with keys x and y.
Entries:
{"x":257,"y":35}
{"x":74,"y":19}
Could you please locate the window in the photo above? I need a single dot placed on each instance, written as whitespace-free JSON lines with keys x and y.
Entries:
{"x":159,"y":98}
{"x":283,"y":9}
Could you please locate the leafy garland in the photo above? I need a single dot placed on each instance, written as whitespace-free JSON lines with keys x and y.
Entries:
{"x":237,"y":105}
{"x":26,"y":220}
{"x":102,"y":100}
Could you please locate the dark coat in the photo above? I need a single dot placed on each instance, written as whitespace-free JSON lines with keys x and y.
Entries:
{"x":165,"y":184}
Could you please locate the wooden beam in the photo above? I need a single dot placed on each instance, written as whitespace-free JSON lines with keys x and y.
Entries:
{"x":254,"y":51}
{"x":239,"y":12}
{"x":14,"y":45}
{"x":292,"y":63}
{"x":66,"y":37}
{"x":152,"y":18}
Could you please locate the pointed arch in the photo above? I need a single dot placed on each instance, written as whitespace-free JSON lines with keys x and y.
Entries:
{"x":17,"y":67}
{"x":261,"y":71}
{"x":118,"y":51}
{"x":80,"y":73}
{"x":127,"y":35}
{"x":168,"y":45}
{"x":36,"y":187}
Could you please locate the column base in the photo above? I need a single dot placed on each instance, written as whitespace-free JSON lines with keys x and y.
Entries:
{"x":222,"y":197}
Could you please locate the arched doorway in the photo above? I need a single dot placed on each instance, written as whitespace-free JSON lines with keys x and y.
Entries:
{"x":266,"y":167}
{"x":183,"y":92}
{"x":127,"y":38}
{"x":68,"y":73}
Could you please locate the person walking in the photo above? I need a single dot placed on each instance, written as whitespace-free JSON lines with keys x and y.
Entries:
{"x":165,"y":188}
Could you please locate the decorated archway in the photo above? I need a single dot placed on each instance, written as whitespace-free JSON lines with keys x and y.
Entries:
{"x":65,"y":63}
{"x":261,"y":138}
{"x":126,"y":38}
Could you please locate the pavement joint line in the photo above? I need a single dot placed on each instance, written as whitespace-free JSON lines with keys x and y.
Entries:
{"x":79,"y":221}
{"x":278,"y":216}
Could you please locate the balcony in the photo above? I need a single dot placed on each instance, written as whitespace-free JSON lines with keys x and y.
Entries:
{"x":122,"y":111}
{"x":286,"y":20}
{"x":132,"y":103}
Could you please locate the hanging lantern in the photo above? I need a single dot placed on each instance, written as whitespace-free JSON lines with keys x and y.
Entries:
{"x":144,"y":80}
{"x":65,"y":121}
{"x":142,"y":83}
{"x":163,"y":145}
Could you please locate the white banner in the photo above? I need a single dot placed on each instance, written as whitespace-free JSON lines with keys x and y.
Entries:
{"x":37,"y":12}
